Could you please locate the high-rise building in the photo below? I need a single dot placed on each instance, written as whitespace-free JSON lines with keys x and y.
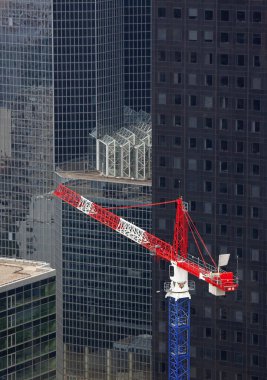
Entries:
{"x":209,"y":145}
{"x":88,"y":75}
{"x":104,"y":303}
{"x":27,"y":320}
{"x":26,"y":126}
{"x":75,"y":96}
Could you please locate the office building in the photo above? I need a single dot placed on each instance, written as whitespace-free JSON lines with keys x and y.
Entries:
{"x":71,"y":72}
{"x":209,"y":144}
{"x":104,"y":302}
{"x":26,"y":128}
{"x":27,"y":320}
{"x":75,"y":96}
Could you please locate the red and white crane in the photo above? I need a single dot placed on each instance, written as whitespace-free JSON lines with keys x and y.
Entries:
{"x":220,"y":282}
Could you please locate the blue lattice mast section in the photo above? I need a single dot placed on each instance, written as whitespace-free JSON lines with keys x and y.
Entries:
{"x":179,"y":301}
{"x":179,"y":339}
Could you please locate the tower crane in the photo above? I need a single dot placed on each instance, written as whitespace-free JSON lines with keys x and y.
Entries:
{"x":219,"y":281}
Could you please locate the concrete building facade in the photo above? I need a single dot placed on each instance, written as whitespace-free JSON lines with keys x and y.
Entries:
{"x":209,"y":144}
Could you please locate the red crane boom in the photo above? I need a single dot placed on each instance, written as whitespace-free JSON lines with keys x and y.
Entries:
{"x":176,"y":253}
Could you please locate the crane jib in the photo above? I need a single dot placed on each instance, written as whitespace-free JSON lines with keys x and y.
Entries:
{"x":132,"y":232}
{"x":217,"y":278}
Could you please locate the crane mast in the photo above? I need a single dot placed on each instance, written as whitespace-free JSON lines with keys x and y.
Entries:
{"x":177,"y":291}
{"x":179,"y":302}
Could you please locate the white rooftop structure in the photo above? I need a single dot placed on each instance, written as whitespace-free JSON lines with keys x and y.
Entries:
{"x":127,"y":152}
{"x":16,"y":272}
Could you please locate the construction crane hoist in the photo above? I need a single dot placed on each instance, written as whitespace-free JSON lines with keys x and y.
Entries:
{"x":181,"y":263}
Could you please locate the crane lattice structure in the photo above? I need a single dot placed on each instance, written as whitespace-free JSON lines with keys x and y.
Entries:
{"x":220,"y":281}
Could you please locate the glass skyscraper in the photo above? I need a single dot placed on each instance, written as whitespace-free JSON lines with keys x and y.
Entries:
{"x":105,"y":299}
{"x":88,"y":75}
{"x":75,"y":95}
{"x":26,"y":124}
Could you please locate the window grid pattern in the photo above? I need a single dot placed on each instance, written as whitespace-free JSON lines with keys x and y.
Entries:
{"x":28,"y":331}
{"x":106,"y":286}
{"x":69,"y":69}
{"x":26,"y":127}
{"x":221,"y":58}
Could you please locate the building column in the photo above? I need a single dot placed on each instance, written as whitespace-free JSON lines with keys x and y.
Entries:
{"x":130,"y":366}
{"x":108,"y":365}
{"x":86,"y":364}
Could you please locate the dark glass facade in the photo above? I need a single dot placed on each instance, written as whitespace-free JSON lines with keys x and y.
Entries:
{"x":209,"y":144}
{"x":88,"y":75}
{"x":106,"y":284}
{"x":137,"y":54}
{"x":26,"y":123}
{"x":28,"y":328}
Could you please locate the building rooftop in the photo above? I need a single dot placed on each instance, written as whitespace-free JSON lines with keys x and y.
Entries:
{"x":16,"y":272}
{"x":96,"y":176}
